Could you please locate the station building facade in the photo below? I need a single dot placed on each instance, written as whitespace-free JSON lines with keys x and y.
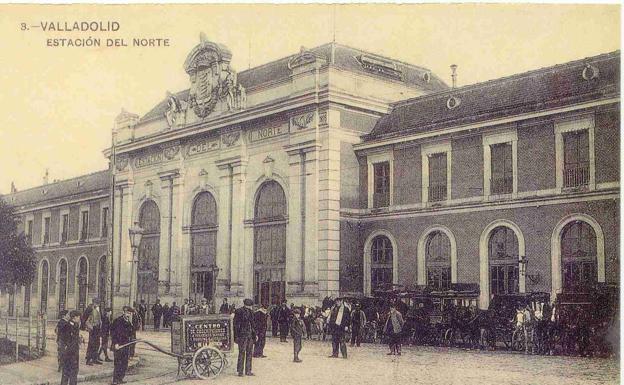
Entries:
{"x":336,"y":171}
{"x":511,"y":184}
{"x":239,"y":180}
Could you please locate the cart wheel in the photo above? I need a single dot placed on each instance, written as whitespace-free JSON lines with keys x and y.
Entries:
{"x":448,"y":337}
{"x":208,"y":362}
{"x":517,"y":341}
{"x":185,"y":365}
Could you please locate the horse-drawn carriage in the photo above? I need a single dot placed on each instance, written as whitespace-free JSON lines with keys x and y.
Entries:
{"x":584,"y":320}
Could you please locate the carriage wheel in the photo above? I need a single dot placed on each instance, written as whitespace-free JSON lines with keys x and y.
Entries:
{"x":448,"y":337}
{"x":185,"y":365}
{"x":518,"y":341}
{"x":208,"y":362}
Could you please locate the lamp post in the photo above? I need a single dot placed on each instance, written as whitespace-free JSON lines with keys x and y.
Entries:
{"x":136,"y":234}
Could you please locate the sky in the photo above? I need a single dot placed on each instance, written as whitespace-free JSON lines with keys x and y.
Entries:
{"x":58,"y":104}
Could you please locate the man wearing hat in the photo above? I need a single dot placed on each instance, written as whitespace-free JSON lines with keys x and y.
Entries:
{"x":338,"y":323}
{"x":358,"y":319}
{"x":93,"y":324}
{"x":69,"y":338}
{"x":121,"y":333}
{"x":244,"y":335}
{"x":297,"y":329}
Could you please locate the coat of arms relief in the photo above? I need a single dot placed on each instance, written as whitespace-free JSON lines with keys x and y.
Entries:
{"x":214,"y":85}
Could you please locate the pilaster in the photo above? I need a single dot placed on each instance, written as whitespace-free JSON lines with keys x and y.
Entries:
{"x":170,"y":182}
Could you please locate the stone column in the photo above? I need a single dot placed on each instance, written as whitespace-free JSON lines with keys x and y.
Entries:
{"x":125,"y":215}
{"x":301,"y":266}
{"x":170,"y":189}
{"x":232,"y":198}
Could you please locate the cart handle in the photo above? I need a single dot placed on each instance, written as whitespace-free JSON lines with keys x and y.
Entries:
{"x":152,"y":345}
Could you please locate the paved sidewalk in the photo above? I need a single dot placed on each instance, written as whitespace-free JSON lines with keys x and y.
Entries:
{"x":43,"y":371}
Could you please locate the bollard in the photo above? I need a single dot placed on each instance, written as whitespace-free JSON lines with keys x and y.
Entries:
{"x":16,"y":336}
{"x":38,"y":334}
{"x":29,"y":327}
{"x":43,"y":343}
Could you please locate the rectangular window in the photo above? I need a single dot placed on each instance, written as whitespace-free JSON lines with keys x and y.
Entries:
{"x":46,"y":230}
{"x":381,"y":181}
{"x":501,"y":181}
{"x":64,"y":228}
{"x":85,"y":226}
{"x":104,"y":222}
{"x":29,"y":231}
{"x":439,"y":278}
{"x":437,"y":177}
{"x":503,"y":279}
{"x":576,"y":158}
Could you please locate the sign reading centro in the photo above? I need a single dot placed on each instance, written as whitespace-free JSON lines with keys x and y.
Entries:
{"x":267,"y":132}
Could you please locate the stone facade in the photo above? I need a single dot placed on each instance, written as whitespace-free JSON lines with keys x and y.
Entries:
{"x":72,"y":265}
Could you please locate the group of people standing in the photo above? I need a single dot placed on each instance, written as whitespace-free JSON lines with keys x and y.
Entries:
{"x":101,"y":328}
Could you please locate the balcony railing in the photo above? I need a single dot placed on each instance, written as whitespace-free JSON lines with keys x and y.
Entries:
{"x":381,"y":200}
{"x":576,"y":176}
{"x":501,"y":185}
{"x":437,"y":192}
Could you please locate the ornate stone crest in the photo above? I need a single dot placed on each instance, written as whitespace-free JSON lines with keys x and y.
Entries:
{"x":170,"y":152}
{"x":304,"y":121}
{"x":213,"y":81}
{"x":176,"y":111}
{"x":230,"y":139}
{"x":121,"y":163}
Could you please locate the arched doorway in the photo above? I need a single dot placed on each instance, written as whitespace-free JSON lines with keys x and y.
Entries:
{"x":438,"y":260}
{"x":149,"y":253}
{"x":45,"y":280}
{"x":62,"y":285}
{"x":270,"y":215}
{"x":82,"y":280}
{"x":503,"y":256}
{"x":101,"y":280}
{"x":381,"y":267}
{"x":203,"y":246}
{"x":578,"y":257}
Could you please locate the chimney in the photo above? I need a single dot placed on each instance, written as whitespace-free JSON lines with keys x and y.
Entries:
{"x":454,"y":75}
{"x":13,"y":189}
{"x":46,"y":177}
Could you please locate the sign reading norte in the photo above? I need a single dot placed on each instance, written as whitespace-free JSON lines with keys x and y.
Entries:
{"x":336,"y":171}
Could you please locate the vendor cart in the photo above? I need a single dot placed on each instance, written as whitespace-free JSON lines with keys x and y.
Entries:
{"x":200,"y":343}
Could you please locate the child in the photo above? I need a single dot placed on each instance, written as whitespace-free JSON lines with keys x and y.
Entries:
{"x":297,"y":329}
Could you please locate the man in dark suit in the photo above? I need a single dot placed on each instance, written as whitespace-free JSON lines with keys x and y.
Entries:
{"x":69,"y":338}
{"x":157,"y":313}
{"x":224,"y":308}
{"x":260,"y":318}
{"x":283,"y":317}
{"x":121,"y":333}
{"x":244,"y":335}
{"x":105,"y":333}
{"x":64,"y":319}
{"x":358,"y":320}
{"x":338,"y":323}
{"x":142,"y":310}
{"x":274,"y":313}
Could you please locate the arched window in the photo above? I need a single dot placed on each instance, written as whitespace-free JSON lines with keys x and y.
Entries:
{"x":102,"y":272}
{"x":578,"y":256}
{"x":270,"y":244}
{"x":82,"y":281}
{"x":381,"y":262}
{"x":438,"y":261}
{"x":203,"y":246}
{"x":45,"y":280}
{"x":149,"y":253}
{"x":503,"y":261}
{"x":62,"y":294}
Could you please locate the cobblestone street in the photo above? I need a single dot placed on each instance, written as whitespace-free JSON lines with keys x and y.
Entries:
{"x":369,"y":364}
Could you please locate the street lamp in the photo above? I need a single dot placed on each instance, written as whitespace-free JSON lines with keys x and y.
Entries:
{"x":136,"y":234}
{"x":523,"y":262}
